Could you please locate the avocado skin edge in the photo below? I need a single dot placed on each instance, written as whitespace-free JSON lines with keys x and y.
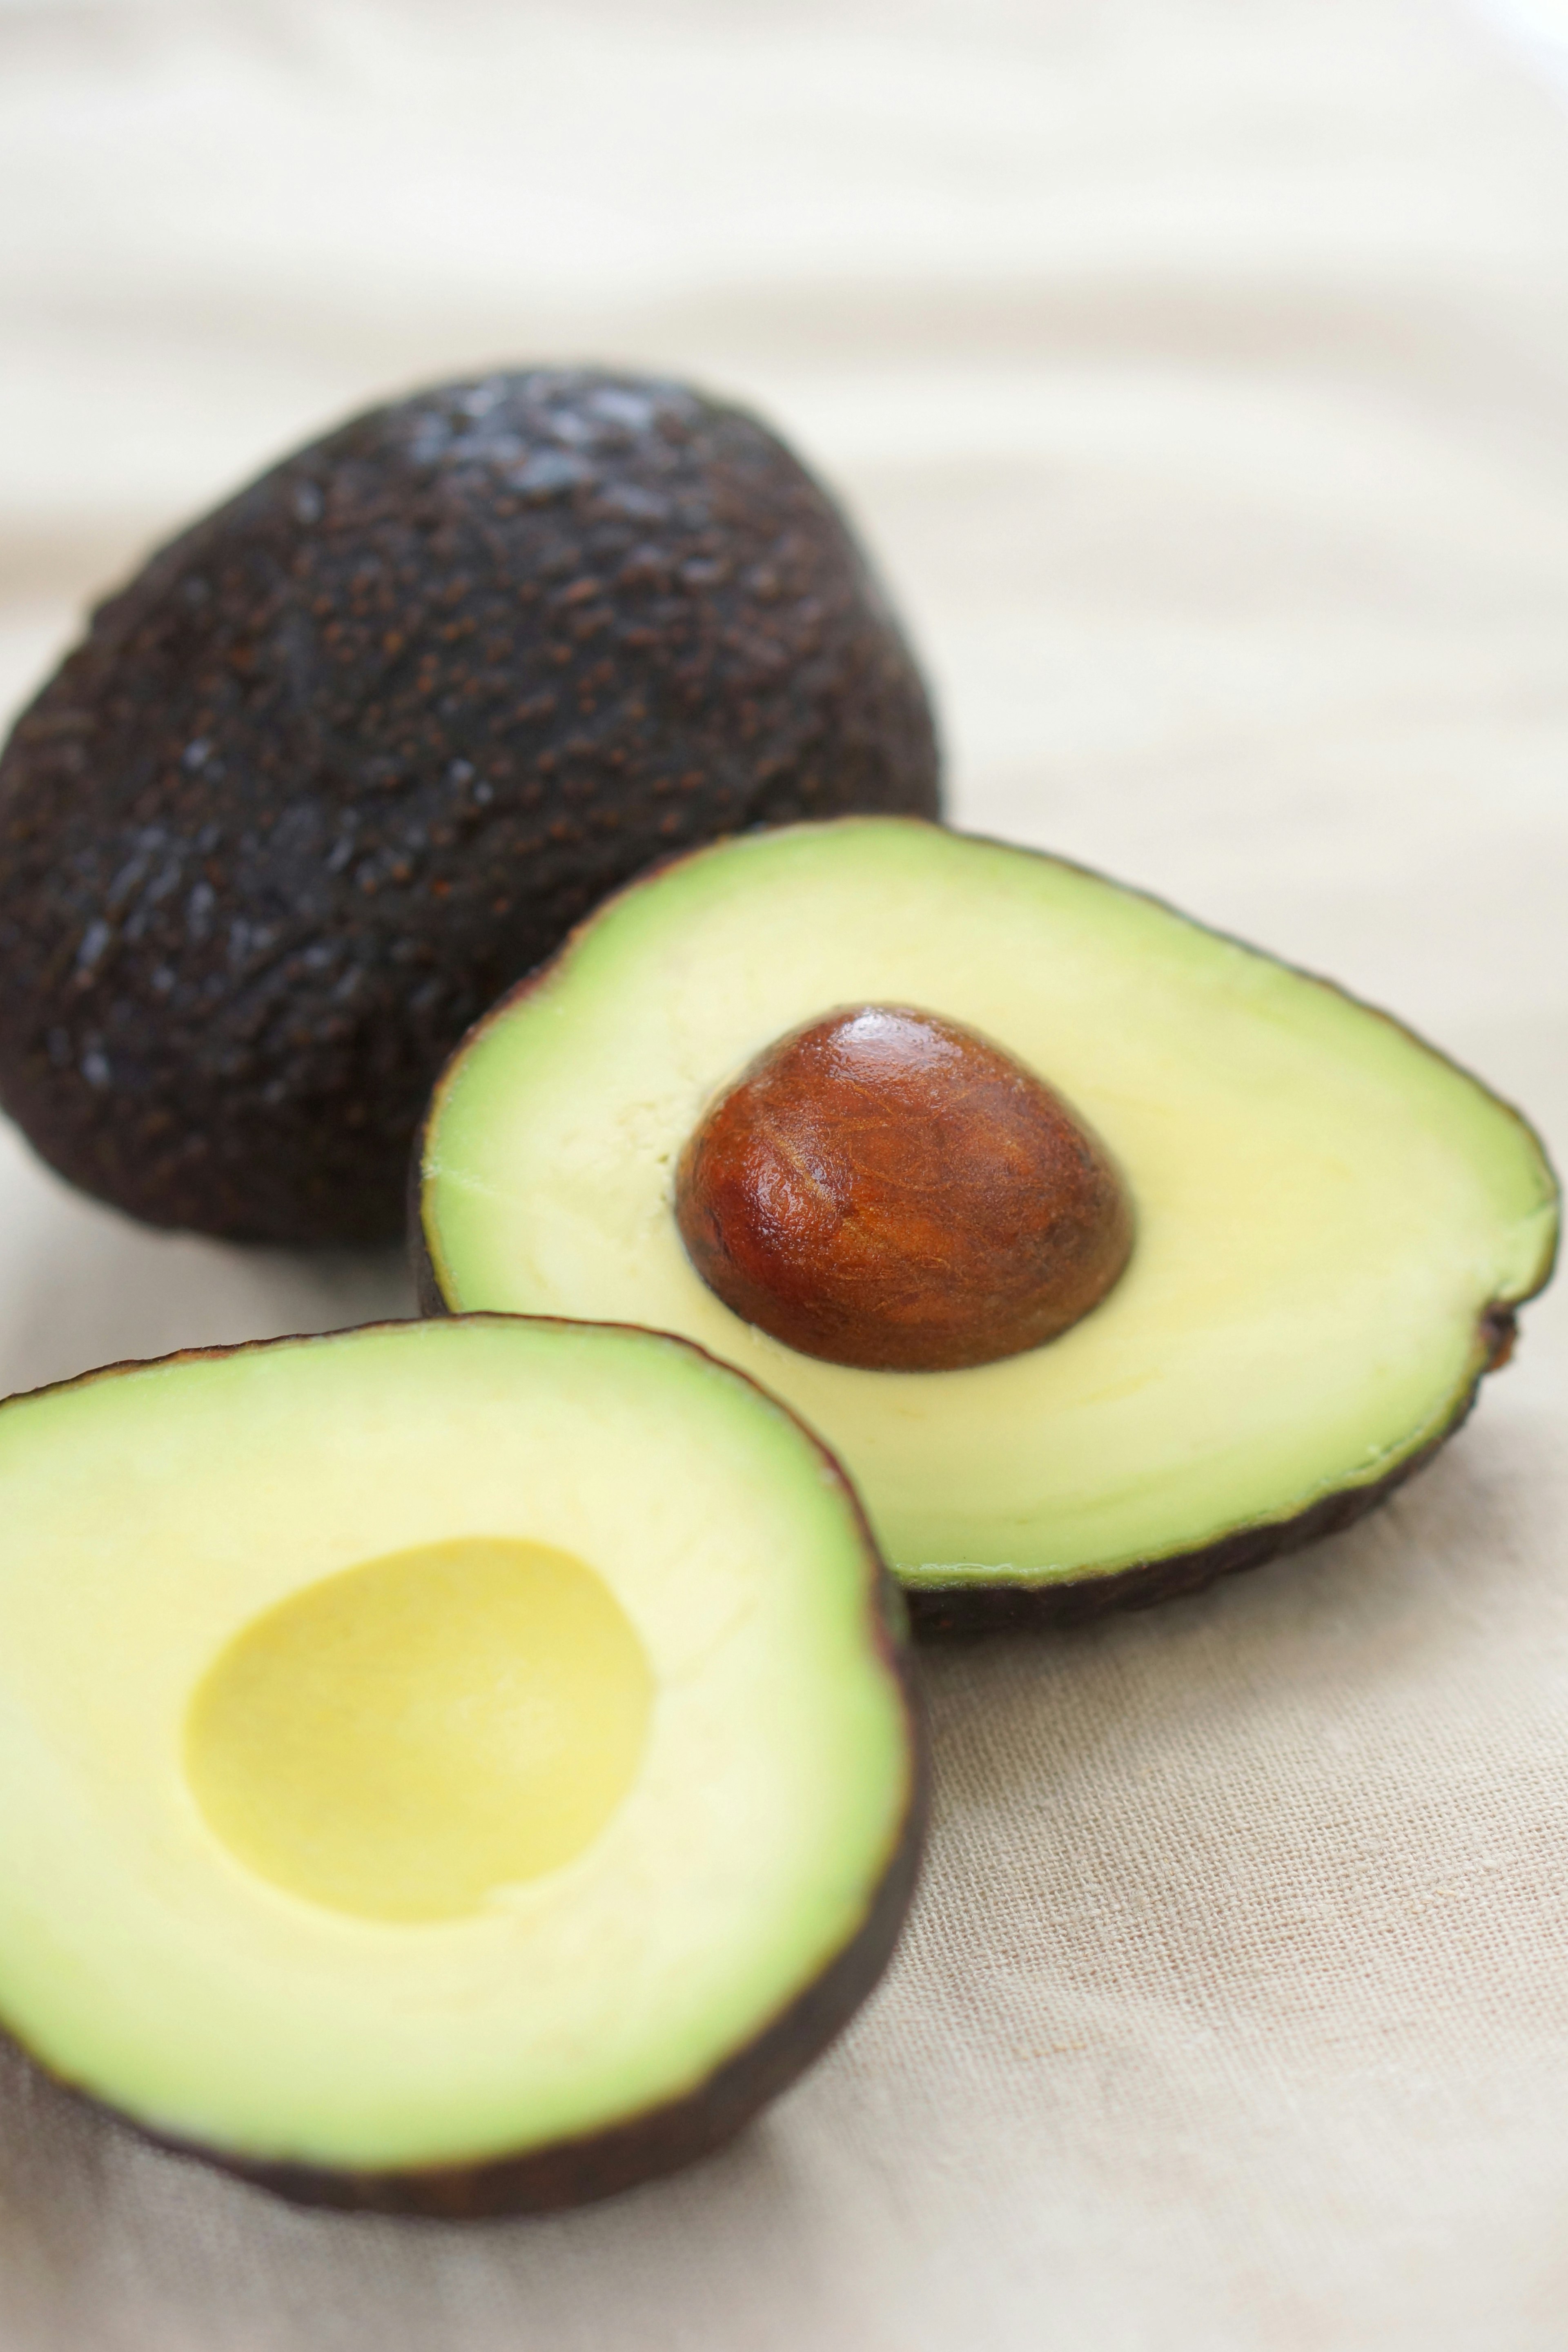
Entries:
{"x":679,"y":2131}
{"x":957,"y":1610}
{"x":353,"y":752}
{"x":664,"y":2139}
{"x":971,"y":1607}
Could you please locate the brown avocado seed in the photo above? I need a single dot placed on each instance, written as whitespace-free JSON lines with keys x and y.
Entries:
{"x":890,"y":1190}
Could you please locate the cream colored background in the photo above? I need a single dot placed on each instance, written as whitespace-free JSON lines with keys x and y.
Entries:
{"x":1199,"y":369}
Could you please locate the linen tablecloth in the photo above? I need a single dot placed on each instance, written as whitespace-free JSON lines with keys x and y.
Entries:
{"x":1199,"y":374}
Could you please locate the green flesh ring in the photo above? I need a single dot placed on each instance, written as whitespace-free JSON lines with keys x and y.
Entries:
{"x":442,"y":1756}
{"x":1332,"y":1219}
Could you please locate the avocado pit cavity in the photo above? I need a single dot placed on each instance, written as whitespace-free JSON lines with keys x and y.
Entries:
{"x":397,"y":1741}
{"x":890,"y":1190}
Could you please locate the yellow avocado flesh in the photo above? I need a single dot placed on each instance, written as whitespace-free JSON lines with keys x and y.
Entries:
{"x":478,"y":1709}
{"x":1325,"y":1207}
{"x":430,"y":1742}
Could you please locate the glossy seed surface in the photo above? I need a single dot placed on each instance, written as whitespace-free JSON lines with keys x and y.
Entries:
{"x":890,"y":1190}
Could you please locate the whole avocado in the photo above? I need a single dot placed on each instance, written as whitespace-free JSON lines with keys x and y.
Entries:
{"x":354,"y":752}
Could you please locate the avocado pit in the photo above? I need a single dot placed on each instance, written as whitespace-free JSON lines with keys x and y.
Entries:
{"x":890,"y":1190}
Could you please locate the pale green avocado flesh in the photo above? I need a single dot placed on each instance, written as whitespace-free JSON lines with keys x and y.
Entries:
{"x":1326,"y":1207}
{"x":428,"y":1743}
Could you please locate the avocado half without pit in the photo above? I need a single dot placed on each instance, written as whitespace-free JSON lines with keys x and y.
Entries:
{"x":455,"y":1767}
{"x":1107,"y":1254}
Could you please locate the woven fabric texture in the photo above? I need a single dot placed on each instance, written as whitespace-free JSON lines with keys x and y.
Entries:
{"x":1200,"y":374}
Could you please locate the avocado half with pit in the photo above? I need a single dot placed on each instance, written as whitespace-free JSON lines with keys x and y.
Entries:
{"x":459,"y":1768}
{"x":1107,"y":1253}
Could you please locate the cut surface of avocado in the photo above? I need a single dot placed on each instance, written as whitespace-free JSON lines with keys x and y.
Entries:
{"x":454,"y":1765}
{"x":477,"y":1708}
{"x":1333,"y":1220}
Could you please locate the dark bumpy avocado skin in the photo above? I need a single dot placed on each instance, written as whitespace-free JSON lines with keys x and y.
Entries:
{"x":355,"y":751}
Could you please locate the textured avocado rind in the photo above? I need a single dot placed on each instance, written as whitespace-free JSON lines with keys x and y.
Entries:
{"x":666,"y":2138}
{"x":354,"y":751}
